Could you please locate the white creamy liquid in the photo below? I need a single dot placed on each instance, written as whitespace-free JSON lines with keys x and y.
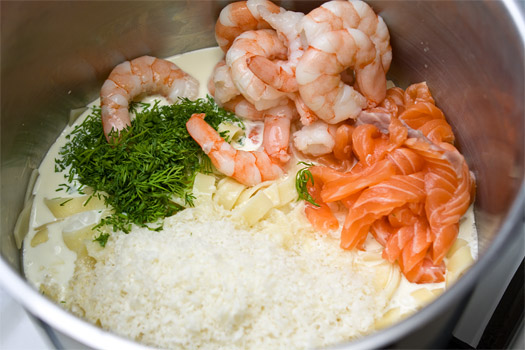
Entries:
{"x":52,"y":263}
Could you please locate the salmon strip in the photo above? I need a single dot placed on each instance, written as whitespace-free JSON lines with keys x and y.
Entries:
{"x":430,"y":120}
{"x":394,"y":101}
{"x":448,"y":193}
{"x":416,"y":249}
{"x":369,"y":144}
{"x":343,"y":142}
{"x":382,"y":230}
{"x":325,"y":174}
{"x":402,"y":216}
{"x":445,"y":213}
{"x":396,"y":242}
{"x":321,"y":217}
{"x":416,"y":93}
{"x":377,"y":201}
{"x":351,"y":183}
{"x":406,"y":161}
{"x":425,"y":272}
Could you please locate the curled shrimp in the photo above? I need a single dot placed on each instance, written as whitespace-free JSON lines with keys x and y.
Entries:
{"x":262,"y":42}
{"x":226,"y":94}
{"x":239,"y":17}
{"x":143,"y":75}
{"x":247,"y":167}
{"x":336,"y":15}
{"x":318,"y":74}
{"x":276,"y":137}
{"x":221,"y":85}
{"x":355,"y":14}
{"x":280,"y":74}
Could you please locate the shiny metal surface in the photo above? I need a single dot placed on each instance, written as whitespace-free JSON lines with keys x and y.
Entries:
{"x":55,"y":56}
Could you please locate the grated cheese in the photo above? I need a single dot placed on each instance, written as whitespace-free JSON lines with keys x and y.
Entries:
{"x":204,"y":282}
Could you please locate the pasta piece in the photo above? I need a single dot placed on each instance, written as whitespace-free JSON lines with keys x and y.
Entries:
{"x":204,"y":186}
{"x":388,"y":277}
{"x":75,"y":240}
{"x":64,"y":207}
{"x":458,"y":263}
{"x":287,"y":191}
{"x":22,"y":223}
{"x":423,"y":296}
{"x":459,"y":243}
{"x":41,"y":236}
{"x":272,"y":192}
{"x":255,"y":208}
{"x":391,"y":316}
{"x":249,"y":192}
{"x":228,"y":191}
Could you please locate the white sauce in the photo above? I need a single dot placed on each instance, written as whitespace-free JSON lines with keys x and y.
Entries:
{"x":52,"y":263}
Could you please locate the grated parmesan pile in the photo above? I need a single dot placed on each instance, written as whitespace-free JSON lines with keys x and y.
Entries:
{"x":205,"y":282}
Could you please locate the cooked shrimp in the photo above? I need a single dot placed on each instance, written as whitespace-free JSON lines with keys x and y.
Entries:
{"x":143,"y":75}
{"x":239,"y":17}
{"x":221,"y":84}
{"x":315,"y":139}
{"x":337,"y":15}
{"x":318,"y":74}
{"x":306,"y":114}
{"x":276,"y":135}
{"x":255,"y":43}
{"x":242,"y":108}
{"x":280,"y":74}
{"x":249,"y":168}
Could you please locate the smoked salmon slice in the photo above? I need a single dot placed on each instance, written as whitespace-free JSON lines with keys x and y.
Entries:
{"x":320,"y":215}
{"x":377,"y":201}
{"x":409,"y":187}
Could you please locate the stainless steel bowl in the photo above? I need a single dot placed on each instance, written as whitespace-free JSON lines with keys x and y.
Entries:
{"x":55,"y":56}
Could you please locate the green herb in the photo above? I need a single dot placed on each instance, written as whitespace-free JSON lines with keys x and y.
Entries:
{"x":153,"y":161}
{"x":102,"y":239}
{"x":64,"y":202}
{"x":302,"y":178}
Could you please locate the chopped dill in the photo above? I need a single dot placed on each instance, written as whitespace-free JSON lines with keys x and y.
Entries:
{"x":154,"y":161}
{"x":302,"y":178}
{"x":102,"y":239}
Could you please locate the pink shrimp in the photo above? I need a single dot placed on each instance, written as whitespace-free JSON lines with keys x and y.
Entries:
{"x":318,"y":74}
{"x":221,"y":84}
{"x":280,"y":74}
{"x":239,"y":17}
{"x":143,"y":75}
{"x":337,"y":15}
{"x":262,"y":42}
{"x":249,"y":168}
{"x":276,"y":135}
{"x":315,"y":139}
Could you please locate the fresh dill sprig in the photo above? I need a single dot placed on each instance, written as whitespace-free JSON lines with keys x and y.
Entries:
{"x":153,"y":161}
{"x":102,"y":239}
{"x":302,"y":178}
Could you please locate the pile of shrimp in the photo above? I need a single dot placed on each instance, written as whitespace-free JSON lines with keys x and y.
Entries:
{"x":299,"y":72}
{"x":384,"y":157}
